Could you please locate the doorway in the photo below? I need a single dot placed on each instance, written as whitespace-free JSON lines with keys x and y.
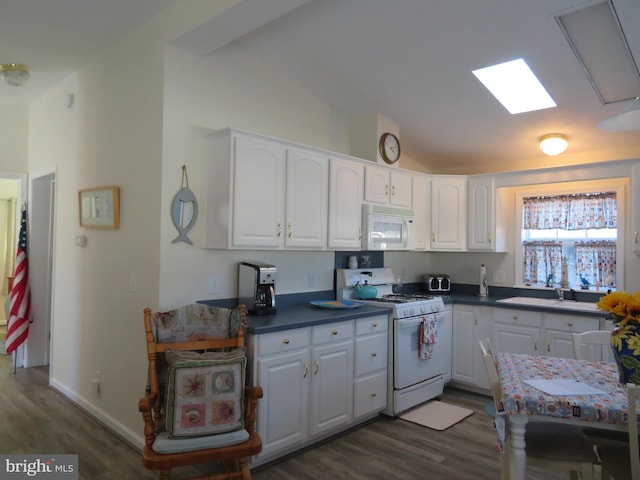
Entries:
{"x":41,"y":254}
{"x":9,"y":208}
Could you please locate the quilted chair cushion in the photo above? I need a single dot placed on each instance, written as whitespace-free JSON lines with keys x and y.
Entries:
{"x":190,"y":322}
{"x":204,"y":394}
{"x":193,"y":322}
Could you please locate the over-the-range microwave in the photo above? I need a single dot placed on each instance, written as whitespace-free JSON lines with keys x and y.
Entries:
{"x":387,"y":228}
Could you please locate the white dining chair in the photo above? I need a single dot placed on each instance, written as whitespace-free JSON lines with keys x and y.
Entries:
{"x":619,"y":463}
{"x":592,"y":345}
{"x":553,"y":445}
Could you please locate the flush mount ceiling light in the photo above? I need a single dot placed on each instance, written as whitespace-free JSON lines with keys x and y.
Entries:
{"x":14,"y":74}
{"x":629,"y":119}
{"x":553,"y":144}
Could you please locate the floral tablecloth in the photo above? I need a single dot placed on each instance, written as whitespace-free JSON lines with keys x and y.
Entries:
{"x":520,"y":398}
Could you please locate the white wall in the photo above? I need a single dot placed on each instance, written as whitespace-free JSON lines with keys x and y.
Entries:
{"x":111,"y":136}
{"x":232,"y":89}
{"x":14,"y":122}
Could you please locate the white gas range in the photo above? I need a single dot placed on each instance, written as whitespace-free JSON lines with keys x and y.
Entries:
{"x":412,"y":380}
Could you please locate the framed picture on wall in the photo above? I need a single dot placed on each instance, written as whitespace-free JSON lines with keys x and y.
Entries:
{"x":99,"y":207}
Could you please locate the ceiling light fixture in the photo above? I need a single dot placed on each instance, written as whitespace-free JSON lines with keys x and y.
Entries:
{"x":553,"y":144}
{"x":14,"y":74}
{"x":629,"y":119}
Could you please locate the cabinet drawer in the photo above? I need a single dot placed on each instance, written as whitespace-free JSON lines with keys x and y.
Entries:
{"x":371,"y":354}
{"x":365,"y":326}
{"x":571,"y":323}
{"x":517,"y":317}
{"x":331,"y":332}
{"x":285,"y":341}
{"x":370,"y":394}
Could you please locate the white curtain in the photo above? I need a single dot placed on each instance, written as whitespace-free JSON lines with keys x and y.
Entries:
{"x":7,"y":240}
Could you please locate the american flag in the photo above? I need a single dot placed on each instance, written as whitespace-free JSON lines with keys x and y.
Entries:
{"x":20,"y":313}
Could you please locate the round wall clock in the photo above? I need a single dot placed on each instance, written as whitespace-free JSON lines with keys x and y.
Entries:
{"x":389,"y":147}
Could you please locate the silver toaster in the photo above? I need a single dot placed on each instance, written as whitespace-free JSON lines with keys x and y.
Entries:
{"x":437,"y":283}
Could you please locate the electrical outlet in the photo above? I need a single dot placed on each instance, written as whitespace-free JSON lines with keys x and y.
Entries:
{"x":311,"y":280}
{"x":214,"y":284}
{"x":97,"y":381}
{"x":499,"y":277}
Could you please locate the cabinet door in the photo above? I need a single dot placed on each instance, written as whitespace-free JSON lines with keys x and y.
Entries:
{"x":465,"y":344}
{"x":376,"y":185}
{"x":401,"y":194}
{"x":421,"y":208}
{"x":448,"y":213}
{"x":515,"y":339}
{"x":516,"y":331}
{"x":557,"y":343}
{"x":331,"y":386}
{"x":558,"y":329}
{"x":282,"y":412}
{"x":470,"y":325}
{"x":307,"y":202}
{"x":345,"y":204}
{"x":481,"y":218}
{"x":258,"y":196}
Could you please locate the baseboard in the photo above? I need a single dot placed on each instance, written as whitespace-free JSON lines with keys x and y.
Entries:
{"x":136,"y":440}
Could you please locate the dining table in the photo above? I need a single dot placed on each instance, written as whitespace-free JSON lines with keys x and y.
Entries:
{"x":558,"y":389}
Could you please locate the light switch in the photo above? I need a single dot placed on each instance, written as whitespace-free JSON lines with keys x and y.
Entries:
{"x":81,"y":240}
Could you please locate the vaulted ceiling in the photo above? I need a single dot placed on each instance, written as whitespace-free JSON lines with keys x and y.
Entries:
{"x":410,"y":61}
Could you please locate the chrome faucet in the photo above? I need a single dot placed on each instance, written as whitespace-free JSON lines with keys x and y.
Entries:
{"x":560,"y":293}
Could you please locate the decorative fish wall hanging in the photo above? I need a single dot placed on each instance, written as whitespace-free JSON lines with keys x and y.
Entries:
{"x":184,"y":210}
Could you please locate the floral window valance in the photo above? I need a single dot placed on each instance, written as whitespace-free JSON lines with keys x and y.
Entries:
{"x":571,"y":212}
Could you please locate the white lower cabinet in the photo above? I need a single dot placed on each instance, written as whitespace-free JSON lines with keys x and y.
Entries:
{"x":317,"y":381}
{"x":558,"y":329}
{"x":331,"y":376}
{"x":509,"y":330}
{"x":538,"y":333}
{"x":370,"y":366}
{"x":470,"y":325}
{"x":516,"y":331}
{"x":281,"y":367}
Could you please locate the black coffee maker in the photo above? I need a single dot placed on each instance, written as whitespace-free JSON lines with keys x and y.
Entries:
{"x":257,"y":287}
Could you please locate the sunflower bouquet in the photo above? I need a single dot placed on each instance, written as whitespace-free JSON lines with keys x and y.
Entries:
{"x":624,"y":307}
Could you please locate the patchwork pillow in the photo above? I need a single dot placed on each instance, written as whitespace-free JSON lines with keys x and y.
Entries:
{"x":205,"y":392}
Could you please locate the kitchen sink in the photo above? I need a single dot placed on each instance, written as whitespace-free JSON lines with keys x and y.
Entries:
{"x":551,"y":302}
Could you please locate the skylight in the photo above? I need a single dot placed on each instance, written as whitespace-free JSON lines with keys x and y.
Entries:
{"x":515,"y":86}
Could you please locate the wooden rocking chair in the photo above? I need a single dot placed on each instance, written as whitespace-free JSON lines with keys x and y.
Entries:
{"x":198,"y":409}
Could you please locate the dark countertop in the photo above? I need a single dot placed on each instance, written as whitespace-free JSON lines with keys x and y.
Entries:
{"x":295,"y":311}
{"x":305,"y":315}
{"x":491,"y":301}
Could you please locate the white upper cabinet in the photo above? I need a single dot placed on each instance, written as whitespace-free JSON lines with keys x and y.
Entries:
{"x":448,"y":212}
{"x":261,"y":193}
{"x":388,"y":186}
{"x":307,"y":199}
{"x":422,"y":221}
{"x":258,"y":194}
{"x":482,"y":216}
{"x":244,"y":194}
{"x":346,"y":181}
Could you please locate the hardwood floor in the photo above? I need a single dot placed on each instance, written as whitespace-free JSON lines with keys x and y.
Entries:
{"x":36,"y":419}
